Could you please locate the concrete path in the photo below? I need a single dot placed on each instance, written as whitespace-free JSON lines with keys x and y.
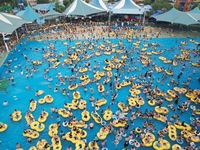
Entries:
{"x":3,"y":57}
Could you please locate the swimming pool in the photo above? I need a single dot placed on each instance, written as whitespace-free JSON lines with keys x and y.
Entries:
{"x":19,"y":98}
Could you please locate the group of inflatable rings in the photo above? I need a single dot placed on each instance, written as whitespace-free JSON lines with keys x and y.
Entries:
{"x":161,"y":110}
{"x":85,"y":82}
{"x":93,"y":145}
{"x":57,"y":145}
{"x":101,"y":88}
{"x":172,"y":93}
{"x":163,"y":144}
{"x":31,"y":133}
{"x":97,"y":118}
{"x":125,"y":83}
{"x":72,"y":86}
{"x":41,"y":144}
{"x":76,"y":95}
{"x":152,"y":102}
{"x":100,"y":102}
{"x":53,"y":129}
{"x":63,"y":112}
{"x":39,"y":92}
{"x":48,"y":99}
{"x":107,"y":115}
{"x":132,"y":101}
{"x":107,"y":68}
{"x":78,"y":124}
{"x":84,"y":77}
{"x":104,"y":131}
{"x":82,"y":70}
{"x":39,"y":127}
{"x":16,"y":115}
{"x":33,"y":105}
{"x":172,"y":132}
{"x":117,"y":123}
{"x":182,"y":126}
{"x":160,"y":117}
{"x":82,"y":104}
{"x":123,"y":107}
{"x":148,"y":139}
{"x":43,"y":117}
{"x":85,"y":115}
{"x":29,"y":118}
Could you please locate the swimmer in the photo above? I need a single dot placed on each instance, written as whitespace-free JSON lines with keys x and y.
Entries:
{"x":91,"y":90}
{"x":5,"y":103}
{"x":91,"y":125}
{"x":49,"y":86}
{"x":27,"y":87}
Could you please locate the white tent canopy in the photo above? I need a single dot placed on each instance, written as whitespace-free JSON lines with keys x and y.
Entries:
{"x":51,"y":14}
{"x":81,"y":8}
{"x":195,"y":10}
{"x":9,"y":23}
{"x":127,"y":7}
{"x":28,"y":14}
{"x":179,"y":17}
{"x":99,"y":4}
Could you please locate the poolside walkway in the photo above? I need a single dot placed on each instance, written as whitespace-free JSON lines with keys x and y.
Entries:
{"x":102,"y":32}
{"x":3,"y":57}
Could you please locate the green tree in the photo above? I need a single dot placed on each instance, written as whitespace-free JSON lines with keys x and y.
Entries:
{"x":195,"y":5}
{"x":59,"y":7}
{"x":67,"y":2}
{"x":147,"y":2}
{"x":161,"y":4}
{"x":14,"y":3}
{"x":42,"y":1}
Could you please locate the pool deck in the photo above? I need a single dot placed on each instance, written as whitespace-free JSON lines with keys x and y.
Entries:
{"x":102,"y":32}
{"x":3,"y":57}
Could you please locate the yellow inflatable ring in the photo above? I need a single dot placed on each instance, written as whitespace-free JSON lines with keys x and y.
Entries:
{"x":76,"y":95}
{"x":3,"y":127}
{"x":48,"y":99}
{"x":41,"y":101}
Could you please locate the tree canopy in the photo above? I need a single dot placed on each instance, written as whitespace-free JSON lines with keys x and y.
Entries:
{"x":42,"y":1}
{"x":161,"y":4}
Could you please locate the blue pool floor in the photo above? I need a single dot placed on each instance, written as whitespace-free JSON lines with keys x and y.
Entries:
{"x":29,"y":78}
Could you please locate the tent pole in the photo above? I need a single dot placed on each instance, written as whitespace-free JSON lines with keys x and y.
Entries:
{"x":26,"y":27}
{"x":17,"y":35}
{"x":5,"y":43}
{"x":144,"y":18}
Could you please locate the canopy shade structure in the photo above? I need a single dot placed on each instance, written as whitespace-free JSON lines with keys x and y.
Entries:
{"x":44,"y":7}
{"x":81,"y":8}
{"x":28,"y":14}
{"x":195,"y":10}
{"x":127,"y":7}
{"x":99,"y":4}
{"x":178,"y":17}
{"x":9,"y":23}
{"x":51,"y":14}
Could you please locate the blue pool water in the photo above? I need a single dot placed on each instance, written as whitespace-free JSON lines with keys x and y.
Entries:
{"x":18,"y":97}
